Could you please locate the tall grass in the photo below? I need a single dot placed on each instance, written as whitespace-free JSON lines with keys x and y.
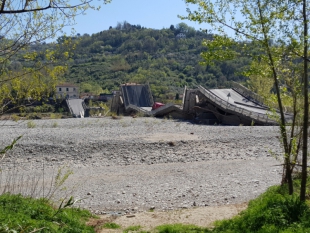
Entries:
{"x":35,"y":185}
{"x":25,"y":214}
{"x":28,"y":202}
{"x":31,"y":124}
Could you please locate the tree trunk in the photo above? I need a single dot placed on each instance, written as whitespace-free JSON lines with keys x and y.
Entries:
{"x":287,"y":178}
{"x":306,"y":108}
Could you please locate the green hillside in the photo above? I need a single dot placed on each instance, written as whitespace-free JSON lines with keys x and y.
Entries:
{"x":167,"y":59}
{"x":131,"y":53}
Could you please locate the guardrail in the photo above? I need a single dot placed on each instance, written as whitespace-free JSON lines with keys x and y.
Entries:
{"x":227,"y":106}
{"x":247,"y":93}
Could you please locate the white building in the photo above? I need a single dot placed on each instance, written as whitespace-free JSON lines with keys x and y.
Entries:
{"x":181,"y":36}
{"x":67,"y":90}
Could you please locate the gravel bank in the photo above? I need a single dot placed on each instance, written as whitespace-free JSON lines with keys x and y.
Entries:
{"x":135,"y":164}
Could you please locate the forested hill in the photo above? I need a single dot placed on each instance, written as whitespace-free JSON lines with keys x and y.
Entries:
{"x":168,"y":59}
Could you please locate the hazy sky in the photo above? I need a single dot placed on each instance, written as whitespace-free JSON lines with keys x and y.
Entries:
{"x":155,"y":14}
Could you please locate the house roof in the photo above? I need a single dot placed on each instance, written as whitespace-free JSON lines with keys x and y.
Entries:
{"x":66,"y":85}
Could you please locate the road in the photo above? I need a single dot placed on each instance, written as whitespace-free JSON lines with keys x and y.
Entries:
{"x":238,"y":100}
{"x":76,"y":106}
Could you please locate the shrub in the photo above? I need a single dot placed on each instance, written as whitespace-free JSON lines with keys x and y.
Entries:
{"x":22,"y":114}
{"x":34,"y":116}
{"x":15,"y":117}
{"x":31,"y":124}
{"x":25,"y":214}
{"x":273,"y":211}
{"x":55,"y":116}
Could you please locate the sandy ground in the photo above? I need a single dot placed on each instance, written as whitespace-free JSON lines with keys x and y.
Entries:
{"x":200,"y":216}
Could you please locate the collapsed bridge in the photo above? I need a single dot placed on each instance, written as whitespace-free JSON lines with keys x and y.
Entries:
{"x":233,"y":106}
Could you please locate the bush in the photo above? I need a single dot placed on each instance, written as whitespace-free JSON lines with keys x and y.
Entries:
{"x":15,"y":117}
{"x":34,"y":116}
{"x":31,"y":124}
{"x":273,"y":211}
{"x":55,"y":116}
{"x":25,"y":214}
{"x":38,"y":109}
{"x":54,"y":124}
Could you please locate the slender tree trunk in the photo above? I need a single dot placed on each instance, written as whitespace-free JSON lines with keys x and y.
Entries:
{"x":287,"y":178}
{"x":306,"y":108}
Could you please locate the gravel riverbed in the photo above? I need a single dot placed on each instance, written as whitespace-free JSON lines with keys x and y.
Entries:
{"x":134,"y":164}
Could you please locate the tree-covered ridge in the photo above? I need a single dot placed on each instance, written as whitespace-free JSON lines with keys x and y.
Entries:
{"x":163,"y":58}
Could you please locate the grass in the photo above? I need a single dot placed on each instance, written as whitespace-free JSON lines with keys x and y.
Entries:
{"x":132,"y":229}
{"x":15,"y":117}
{"x":272,"y":212}
{"x":31,"y":124}
{"x":180,"y":228}
{"x":25,"y":214}
{"x":55,"y":115}
{"x":54,"y":124}
{"x":111,"y":225}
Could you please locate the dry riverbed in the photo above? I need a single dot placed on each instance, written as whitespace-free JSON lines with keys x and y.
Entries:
{"x":132,"y":165}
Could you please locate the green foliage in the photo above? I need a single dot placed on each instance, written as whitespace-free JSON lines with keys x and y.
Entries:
{"x":11,"y":146}
{"x":29,"y":68}
{"x":55,"y":116}
{"x":31,"y":124}
{"x":273,"y":211}
{"x":15,"y":117}
{"x":132,"y":229}
{"x":23,"y":214}
{"x":61,"y":177}
{"x":111,"y":225}
{"x":180,"y":228}
{"x":39,"y":109}
{"x":142,"y":55}
{"x":277,"y":45}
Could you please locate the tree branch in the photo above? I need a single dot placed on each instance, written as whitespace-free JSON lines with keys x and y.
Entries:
{"x":2,"y":11}
{"x":3,"y":4}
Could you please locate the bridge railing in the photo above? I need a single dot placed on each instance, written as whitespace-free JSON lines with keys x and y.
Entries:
{"x":247,"y":93}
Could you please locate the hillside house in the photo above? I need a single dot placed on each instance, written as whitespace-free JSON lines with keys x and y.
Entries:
{"x":67,"y":90}
{"x":181,"y":36}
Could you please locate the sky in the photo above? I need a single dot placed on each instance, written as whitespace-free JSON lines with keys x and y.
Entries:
{"x":156,"y":14}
